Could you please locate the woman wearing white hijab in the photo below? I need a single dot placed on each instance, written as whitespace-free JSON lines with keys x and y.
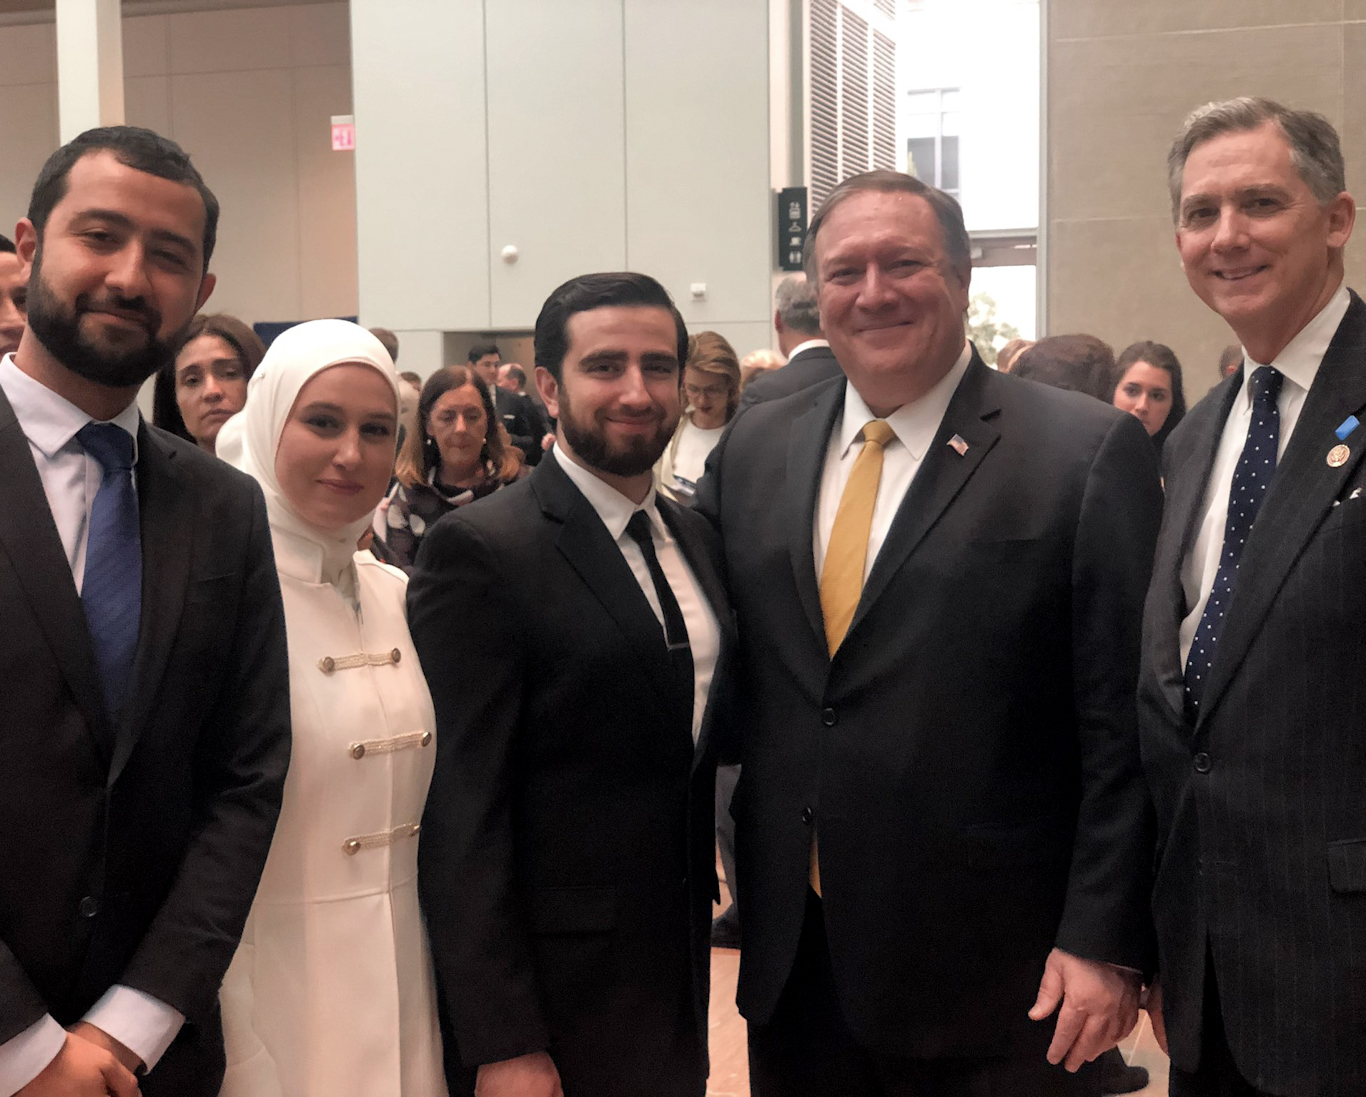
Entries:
{"x":331,"y":991}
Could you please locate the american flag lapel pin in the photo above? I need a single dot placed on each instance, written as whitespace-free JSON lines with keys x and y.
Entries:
{"x":960,"y":447}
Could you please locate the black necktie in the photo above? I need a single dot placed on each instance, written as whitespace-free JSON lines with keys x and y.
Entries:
{"x":1255,"y":468}
{"x":675,"y":629}
{"x":111,"y":588}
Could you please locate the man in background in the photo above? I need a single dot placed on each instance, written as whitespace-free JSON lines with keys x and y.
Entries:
{"x":13,"y":295}
{"x":517,"y":413}
{"x":809,"y":359}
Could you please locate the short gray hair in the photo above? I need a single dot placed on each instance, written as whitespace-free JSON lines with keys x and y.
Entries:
{"x":1315,"y":150}
{"x":957,"y":244}
{"x":796,"y":303}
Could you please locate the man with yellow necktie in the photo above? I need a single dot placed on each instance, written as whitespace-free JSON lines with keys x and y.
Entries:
{"x":938,"y":575}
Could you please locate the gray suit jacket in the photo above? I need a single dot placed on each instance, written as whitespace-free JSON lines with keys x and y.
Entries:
{"x":811,"y":367}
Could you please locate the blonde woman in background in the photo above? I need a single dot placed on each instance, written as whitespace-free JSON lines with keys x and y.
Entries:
{"x":711,"y":390}
{"x":757,"y":362}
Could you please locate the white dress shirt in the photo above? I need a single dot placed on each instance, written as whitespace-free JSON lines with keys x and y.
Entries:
{"x":1299,"y":363}
{"x":71,"y":478}
{"x":615,"y":510}
{"x":810,"y":344}
{"x":915,"y":425}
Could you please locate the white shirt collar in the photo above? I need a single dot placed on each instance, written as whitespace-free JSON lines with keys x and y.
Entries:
{"x":50,"y":421}
{"x":810,"y":344}
{"x":1302,"y":356}
{"x":613,"y":508}
{"x":915,"y":423}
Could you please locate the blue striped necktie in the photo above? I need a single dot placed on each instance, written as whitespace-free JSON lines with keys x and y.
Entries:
{"x":1255,"y":468}
{"x":111,"y":590}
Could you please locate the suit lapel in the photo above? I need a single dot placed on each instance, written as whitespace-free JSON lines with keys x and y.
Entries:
{"x":1300,"y":497}
{"x":584,"y":542}
{"x":166,"y":516}
{"x":808,"y":441}
{"x":1184,"y":504}
{"x":28,"y":535}
{"x":941,"y":476}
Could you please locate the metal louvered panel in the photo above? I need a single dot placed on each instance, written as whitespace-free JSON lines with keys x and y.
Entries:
{"x":824,"y":95}
{"x":887,"y":7}
{"x":884,"y":101}
{"x":854,"y":93}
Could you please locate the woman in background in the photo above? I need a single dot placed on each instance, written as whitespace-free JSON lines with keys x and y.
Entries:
{"x":1147,"y":384}
{"x":711,"y":391}
{"x":206,"y":383}
{"x":459,"y":452}
{"x":331,"y":990}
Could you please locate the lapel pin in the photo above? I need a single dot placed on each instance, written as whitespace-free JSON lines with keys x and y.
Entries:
{"x":1348,"y":425}
{"x":959,"y":446}
{"x":1337,"y":456}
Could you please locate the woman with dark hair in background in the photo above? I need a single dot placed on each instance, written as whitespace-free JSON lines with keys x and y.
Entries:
{"x":459,"y":452}
{"x":1147,"y":384}
{"x":206,"y":384}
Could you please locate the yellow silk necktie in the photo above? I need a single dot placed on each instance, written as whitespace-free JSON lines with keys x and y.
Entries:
{"x":847,"y":556}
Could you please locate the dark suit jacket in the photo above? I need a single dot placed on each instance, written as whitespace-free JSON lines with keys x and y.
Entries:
{"x":811,"y":367}
{"x":1261,"y":807}
{"x":567,"y":865}
{"x":969,"y":757}
{"x":522,"y":421}
{"x":133,"y":850}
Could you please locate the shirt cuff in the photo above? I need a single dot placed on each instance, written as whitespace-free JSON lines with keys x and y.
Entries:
{"x":24,"y":1057}
{"x":141,"y":1023}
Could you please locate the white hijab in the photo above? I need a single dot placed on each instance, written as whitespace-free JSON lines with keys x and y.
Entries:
{"x":296,"y":356}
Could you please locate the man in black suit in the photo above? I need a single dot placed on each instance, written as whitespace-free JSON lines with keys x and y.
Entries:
{"x":810,"y":361}
{"x":577,"y":640}
{"x":143,"y":654}
{"x":937,"y":573}
{"x":517,"y":412}
{"x":1252,"y":698}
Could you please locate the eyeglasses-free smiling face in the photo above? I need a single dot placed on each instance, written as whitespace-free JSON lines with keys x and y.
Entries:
{"x":1257,"y":247}
{"x":336,"y":451}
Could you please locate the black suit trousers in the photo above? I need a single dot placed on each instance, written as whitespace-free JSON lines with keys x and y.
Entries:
{"x":807,"y":1050}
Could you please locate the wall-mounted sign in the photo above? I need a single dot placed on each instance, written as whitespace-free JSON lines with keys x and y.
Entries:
{"x":791,"y":227}
{"x":343,"y":133}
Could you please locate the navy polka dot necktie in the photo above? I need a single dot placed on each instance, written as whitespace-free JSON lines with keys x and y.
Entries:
{"x":111,"y":588}
{"x":1250,"y":480}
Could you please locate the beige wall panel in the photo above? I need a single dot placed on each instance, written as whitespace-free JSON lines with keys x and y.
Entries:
{"x":147,"y":102}
{"x":1354,"y":9}
{"x":146,"y":46}
{"x":30,"y":57}
{"x":1092,"y":18}
{"x":228,"y":41}
{"x":1122,"y":281}
{"x":28,"y":134}
{"x":1116,"y":103}
{"x":1353,"y":134}
{"x":239,"y":128}
{"x":320,"y":34}
{"x":327,"y":194}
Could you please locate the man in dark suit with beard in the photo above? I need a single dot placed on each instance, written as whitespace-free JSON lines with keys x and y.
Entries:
{"x":937,"y":573}
{"x":1252,"y":698}
{"x":810,"y":361}
{"x":578,"y":642}
{"x":146,"y":726}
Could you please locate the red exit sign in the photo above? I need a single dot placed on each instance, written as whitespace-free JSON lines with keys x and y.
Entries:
{"x":343,"y":133}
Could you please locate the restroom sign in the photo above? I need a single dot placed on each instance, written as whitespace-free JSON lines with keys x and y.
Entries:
{"x":791,"y":227}
{"x":343,"y":133}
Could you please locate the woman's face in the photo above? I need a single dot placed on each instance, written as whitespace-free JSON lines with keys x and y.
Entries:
{"x":706,"y":395}
{"x":1145,"y":391}
{"x":336,"y":451}
{"x":459,"y":425}
{"x":210,"y":386}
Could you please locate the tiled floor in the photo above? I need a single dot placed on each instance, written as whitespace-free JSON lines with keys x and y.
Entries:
{"x":730,"y":1070}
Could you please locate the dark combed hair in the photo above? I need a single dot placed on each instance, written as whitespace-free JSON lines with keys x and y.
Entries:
{"x":481,"y":350}
{"x":1078,"y":363}
{"x":420,"y":455}
{"x":1160,"y":356}
{"x":241,"y":340}
{"x":7,"y":246}
{"x":597,"y":291}
{"x":134,"y":147}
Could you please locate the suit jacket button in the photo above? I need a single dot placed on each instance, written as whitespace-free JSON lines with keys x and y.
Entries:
{"x":828,"y":718}
{"x":807,"y":816}
{"x":90,"y":906}
{"x":1202,"y":762}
